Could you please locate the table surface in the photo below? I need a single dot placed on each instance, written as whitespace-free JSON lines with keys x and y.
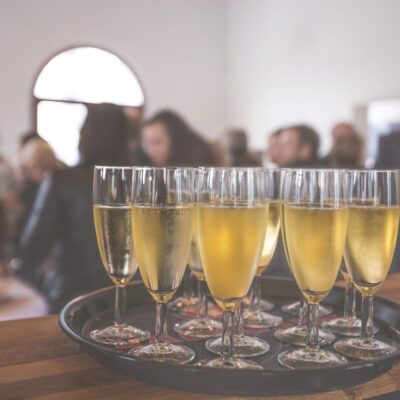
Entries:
{"x":39,"y":362}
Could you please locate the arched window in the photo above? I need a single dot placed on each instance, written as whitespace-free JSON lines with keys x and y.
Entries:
{"x":74,"y":79}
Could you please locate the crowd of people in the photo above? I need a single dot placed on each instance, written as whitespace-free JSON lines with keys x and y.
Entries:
{"x":46,"y":223}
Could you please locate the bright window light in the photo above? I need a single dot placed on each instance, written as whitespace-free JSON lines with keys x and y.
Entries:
{"x":89,"y":75}
{"x":71,"y":79}
{"x":60,"y":123}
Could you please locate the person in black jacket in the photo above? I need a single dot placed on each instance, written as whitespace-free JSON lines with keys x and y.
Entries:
{"x":61,"y":227}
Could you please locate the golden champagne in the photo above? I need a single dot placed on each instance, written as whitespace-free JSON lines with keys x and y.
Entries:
{"x":370,"y":244}
{"x":114,"y":238}
{"x":230,"y":240}
{"x":314,"y":241}
{"x":162,"y":237}
{"x":271,"y":236}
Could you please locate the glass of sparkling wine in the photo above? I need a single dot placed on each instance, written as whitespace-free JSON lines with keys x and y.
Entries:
{"x":162,"y":219}
{"x":348,"y":324}
{"x":231,"y":217}
{"x":255,"y":317}
{"x":314,"y":226}
{"x":370,"y":244}
{"x":112,"y":218}
{"x":201,"y":327}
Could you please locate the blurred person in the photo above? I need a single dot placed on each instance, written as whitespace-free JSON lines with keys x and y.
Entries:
{"x":7,"y":178}
{"x":27,"y":136}
{"x":271,"y":158}
{"x":298,"y":147}
{"x":3,"y":239}
{"x":347,"y":148}
{"x":61,"y":224}
{"x":168,"y":140}
{"x":389,"y":151}
{"x":37,"y":159}
{"x":234,"y":144}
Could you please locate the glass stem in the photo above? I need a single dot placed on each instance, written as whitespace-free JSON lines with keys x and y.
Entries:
{"x":203,"y":301}
{"x":312,"y":331}
{"x":239,"y":320}
{"x":349,"y":301}
{"x":161,"y":322}
{"x":303,"y":313}
{"x":227,"y":335}
{"x":256,"y":298}
{"x":367,"y":317}
{"x":187,"y":281}
{"x":120,"y":306}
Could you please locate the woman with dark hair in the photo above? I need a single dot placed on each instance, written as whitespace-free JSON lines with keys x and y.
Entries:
{"x":168,"y":140}
{"x":58,"y":242}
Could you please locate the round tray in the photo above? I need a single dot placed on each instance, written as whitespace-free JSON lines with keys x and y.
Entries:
{"x":95,"y":310}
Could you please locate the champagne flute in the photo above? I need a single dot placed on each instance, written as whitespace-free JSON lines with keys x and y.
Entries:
{"x":255,"y":318}
{"x":231,"y":227}
{"x":201,"y":327}
{"x":112,"y":219}
{"x":162,"y":218}
{"x":348,"y":324}
{"x":314,"y":227}
{"x":371,"y":240}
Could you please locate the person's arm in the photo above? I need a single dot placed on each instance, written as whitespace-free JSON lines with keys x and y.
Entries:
{"x":39,"y":233}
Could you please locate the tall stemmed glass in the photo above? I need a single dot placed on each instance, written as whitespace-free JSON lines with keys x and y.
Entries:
{"x":162,"y":219}
{"x":255,"y":317}
{"x":314,"y":227}
{"x":349,"y":324}
{"x":232,"y":211}
{"x":201,"y":327}
{"x":112,"y":218}
{"x":370,"y":244}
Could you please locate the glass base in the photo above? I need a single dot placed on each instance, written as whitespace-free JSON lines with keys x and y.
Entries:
{"x":306,"y":359}
{"x":199,"y":328}
{"x":164,"y":352}
{"x":364,"y":349}
{"x":119,"y":335}
{"x":181,"y":302}
{"x":345,"y":326}
{"x":260,"y":319}
{"x":229,"y":363}
{"x":294,"y":309}
{"x":244,"y":346}
{"x":297,"y":336}
{"x":265,"y":305}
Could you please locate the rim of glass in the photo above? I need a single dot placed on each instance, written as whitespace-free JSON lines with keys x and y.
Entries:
{"x":111,"y":167}
{"x":381,"y":171}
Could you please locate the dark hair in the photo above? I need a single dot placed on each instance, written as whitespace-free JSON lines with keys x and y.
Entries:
{"x":308,"y":135}
{"x":188,"y":148}
{"x":104,"y":136}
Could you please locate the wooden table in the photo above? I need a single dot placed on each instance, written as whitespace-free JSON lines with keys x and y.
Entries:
{"x":37,"y":361}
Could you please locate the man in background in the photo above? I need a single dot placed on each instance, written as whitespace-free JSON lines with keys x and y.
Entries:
{"x":298,"y":147}
{"x":234,"y":145}
{"x":347,"y":148}
{"x":389,"y":151}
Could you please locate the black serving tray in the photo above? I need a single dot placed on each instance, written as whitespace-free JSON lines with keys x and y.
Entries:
{"x":94,"y":310}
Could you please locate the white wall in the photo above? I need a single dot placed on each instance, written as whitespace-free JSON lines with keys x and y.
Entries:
{"x":175,"y":46}
{"x":309,"y":60}
{"x":254,"y":63}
